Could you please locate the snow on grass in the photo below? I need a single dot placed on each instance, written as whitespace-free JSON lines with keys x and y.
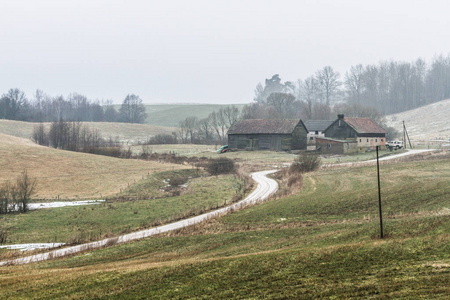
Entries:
{"x":32,"y":206}
{"x":28,"y":247}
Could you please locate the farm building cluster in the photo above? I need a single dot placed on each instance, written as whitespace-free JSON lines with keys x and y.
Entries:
{"x":342,"y":136}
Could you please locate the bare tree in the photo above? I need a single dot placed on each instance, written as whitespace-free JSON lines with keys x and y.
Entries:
{"x":24,"y":189}
{"x":5,"y":196}
{"x":39,"y":135}
{"x":204,"y":130}
{"x":12,"y":103}
{"x":328,"y":83}
{"x":231,"y":114}
{"x":284,"y":104}
{"x":132,"y":110}
{"x":354,"y":82}
{"x":308,"y":92}
{"x":188,"y":129}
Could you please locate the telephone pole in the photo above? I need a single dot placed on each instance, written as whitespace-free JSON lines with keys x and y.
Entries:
{"x":379,"y":195}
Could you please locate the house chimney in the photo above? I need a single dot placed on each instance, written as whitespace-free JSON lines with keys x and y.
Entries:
{"x":340,"y":116}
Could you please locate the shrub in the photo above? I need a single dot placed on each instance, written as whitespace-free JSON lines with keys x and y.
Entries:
{"x":3,"y":235}
{"x":306,"y":162}
{"x":177,"y":181}
{"x":221,"y":165}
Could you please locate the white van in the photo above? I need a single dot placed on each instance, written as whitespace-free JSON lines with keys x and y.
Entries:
{"x":395,"y":144}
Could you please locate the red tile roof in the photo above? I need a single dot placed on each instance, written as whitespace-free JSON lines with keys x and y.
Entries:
{"x":257,"y":126}
{"x":364,"y":125}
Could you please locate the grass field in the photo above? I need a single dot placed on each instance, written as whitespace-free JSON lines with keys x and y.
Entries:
{"x":71,"y":175}
{"x":88,"y":223}
{"x":171,"y":114}
{"x":125,"y":132}
{"x":322,"y":242}
{"x":178,"y":149}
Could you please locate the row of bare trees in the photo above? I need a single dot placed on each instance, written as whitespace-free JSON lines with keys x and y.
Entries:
{"x":75,"y":136}
{"x":15,"y":105}
{"x":16,"y":196}
{"x":389,"y":87}
{"x":210,"y":130}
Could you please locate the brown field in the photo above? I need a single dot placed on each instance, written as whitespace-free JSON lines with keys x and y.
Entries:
{"x":131,"y":133}
{"x":70,"y":175}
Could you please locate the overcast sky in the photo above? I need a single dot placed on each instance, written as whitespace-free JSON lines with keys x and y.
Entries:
{"x":204,"y":51}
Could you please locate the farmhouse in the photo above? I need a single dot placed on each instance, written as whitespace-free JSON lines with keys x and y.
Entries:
{"x":315,"y":129}
{"x":344,"y":133}
{"x":268,"y":135}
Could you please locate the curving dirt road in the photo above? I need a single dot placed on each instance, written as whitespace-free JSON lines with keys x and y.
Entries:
{"x":265,"y":188}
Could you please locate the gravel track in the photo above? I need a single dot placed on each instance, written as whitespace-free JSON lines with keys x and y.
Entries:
{"x":264,"y":189}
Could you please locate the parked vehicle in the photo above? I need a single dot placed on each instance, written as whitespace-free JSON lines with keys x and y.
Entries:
{"x":394,"y":145}
{"x":223,"y":149}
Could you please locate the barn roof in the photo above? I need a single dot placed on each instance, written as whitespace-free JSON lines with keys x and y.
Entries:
{"x":364,"y":125}
{"x":257,"y":126}
{"x":317,"y":125}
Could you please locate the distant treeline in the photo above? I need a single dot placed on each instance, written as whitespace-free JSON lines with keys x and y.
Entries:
{"x":14,"y":105}
{"x":389,"y":87}
{"x":75,"y":136}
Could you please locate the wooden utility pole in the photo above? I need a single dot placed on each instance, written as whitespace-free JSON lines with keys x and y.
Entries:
{"x":379,"y":195}
{"x":406,"y":135}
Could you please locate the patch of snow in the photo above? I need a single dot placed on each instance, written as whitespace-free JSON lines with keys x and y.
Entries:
{"x":28,"y":247}
{"x":32,"y":206}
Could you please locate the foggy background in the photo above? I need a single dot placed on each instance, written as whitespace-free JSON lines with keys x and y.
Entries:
{"x":204,"y":51}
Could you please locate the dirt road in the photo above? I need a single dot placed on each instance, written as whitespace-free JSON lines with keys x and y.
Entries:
{"x":264,"y":189}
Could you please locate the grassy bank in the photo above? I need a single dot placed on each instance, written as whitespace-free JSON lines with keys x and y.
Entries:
{"x":322,"y":242}
{"x":86,"y":223}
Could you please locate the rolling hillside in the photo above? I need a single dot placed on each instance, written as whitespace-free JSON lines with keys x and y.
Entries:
{"x":171,"y":114}
{"x":67,"y":174}
{"x":132,"y":133}
{"x":320,"y":243}
{"x":426,"y":123}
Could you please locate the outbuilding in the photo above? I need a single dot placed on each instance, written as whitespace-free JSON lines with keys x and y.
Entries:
{"x":366,"y":132}
{"x":277,"y":134}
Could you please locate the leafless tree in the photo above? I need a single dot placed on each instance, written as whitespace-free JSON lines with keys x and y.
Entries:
{"x":329,"y":83}
{"x":308,"y":92}
{"x":188,"y":129}
{"x":231,"y":114}
{"x":132,"y":110}
{"x":12,"y":103}
{"x":284,"y":104}
{"x":354,"y":82}
{"x":24,"y":189}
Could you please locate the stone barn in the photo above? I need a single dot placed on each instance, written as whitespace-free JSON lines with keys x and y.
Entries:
{"x":278,"y":135}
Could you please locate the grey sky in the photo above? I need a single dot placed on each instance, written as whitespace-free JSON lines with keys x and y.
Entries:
{"x":204,"y":51}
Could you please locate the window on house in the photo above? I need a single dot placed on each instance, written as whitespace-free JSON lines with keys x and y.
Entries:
{"x":316,"y":132}
{"x":329,"y":146}
{"x":376,"y":140}
{"x":367,"y":140}
{"x":360,"y":140}
{"x":381,"y":140}
{"x":311,"y":138}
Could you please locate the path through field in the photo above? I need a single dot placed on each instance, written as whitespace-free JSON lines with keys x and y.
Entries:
{"x":265,"y":188}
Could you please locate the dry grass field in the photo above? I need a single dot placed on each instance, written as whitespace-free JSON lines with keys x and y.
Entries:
{"x":178,"y":149}
{"x":67,"y":174}
{"x":125,"y":132}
